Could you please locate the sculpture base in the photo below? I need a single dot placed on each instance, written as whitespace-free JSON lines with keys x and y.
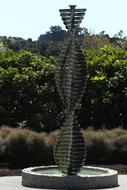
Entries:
{"x":49,"y":177}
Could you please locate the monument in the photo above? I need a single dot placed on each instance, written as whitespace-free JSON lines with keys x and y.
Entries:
{"x":70,"y":147}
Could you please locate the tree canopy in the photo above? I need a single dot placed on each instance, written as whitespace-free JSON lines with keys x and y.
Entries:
{"x":28,"y":94}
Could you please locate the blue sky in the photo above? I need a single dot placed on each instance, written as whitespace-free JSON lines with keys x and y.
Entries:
{"x":30,"y":18}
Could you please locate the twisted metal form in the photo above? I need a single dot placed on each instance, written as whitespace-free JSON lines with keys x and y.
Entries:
{"x":70,"y":149}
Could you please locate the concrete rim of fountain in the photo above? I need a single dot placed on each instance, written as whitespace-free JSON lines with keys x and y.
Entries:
{"x":44,"y":177}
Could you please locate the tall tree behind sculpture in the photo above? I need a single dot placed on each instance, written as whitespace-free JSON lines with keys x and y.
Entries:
{"x":70,"y":149}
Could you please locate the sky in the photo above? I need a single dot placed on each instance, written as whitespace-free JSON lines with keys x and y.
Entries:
{"x":31,"y":18}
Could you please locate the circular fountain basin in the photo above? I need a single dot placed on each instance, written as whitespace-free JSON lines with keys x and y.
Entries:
{"x":49,"y":177}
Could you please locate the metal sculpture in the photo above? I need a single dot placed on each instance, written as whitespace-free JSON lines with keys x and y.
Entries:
{"x":70,"y":148}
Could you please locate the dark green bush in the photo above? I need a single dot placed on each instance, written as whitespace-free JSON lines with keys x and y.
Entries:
{"x":105,"y":100}
{"x":29,"y":98}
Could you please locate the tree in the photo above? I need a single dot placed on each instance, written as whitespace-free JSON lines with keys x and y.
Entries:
{"x":104,"y":104}
{"x":50,"y":43}
{"x":95,"y":42}
{"x":2,"y":47}
{"x":28,"y":95}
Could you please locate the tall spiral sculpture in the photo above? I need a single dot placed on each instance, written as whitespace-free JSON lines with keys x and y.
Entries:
{"x":70,"y":148}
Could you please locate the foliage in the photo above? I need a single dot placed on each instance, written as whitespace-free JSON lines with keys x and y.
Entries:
{"x":95,"y":42}
{"x":106,"y":146}
{"x":105,"y":100}
{"x":26,"y":145}
{"x":28,"y":96}
{"x":23,"y":147}
{"x":49,"y":44}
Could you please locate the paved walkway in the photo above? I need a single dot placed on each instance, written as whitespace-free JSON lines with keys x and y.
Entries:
{"x":14,"y":183}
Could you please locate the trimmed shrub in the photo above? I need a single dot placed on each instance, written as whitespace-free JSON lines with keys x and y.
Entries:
{"x":17,"y":148}
{"x":4,"y":132}
{"x":98,"y":146}
{"x":23,"y":147}
{"x":120,"y":149}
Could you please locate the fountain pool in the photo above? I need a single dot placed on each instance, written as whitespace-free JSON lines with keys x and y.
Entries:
{"x":49,"y":177}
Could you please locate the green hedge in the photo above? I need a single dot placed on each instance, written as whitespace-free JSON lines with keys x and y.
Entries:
{"x":105,"y":100}
{"x":22,"y":147}
{"x":106,"y":146}
{"x":29,"y":98}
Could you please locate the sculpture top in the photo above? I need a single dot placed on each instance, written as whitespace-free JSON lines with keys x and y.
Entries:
{"x":72,"y":17}
{"x":72,"y":6}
